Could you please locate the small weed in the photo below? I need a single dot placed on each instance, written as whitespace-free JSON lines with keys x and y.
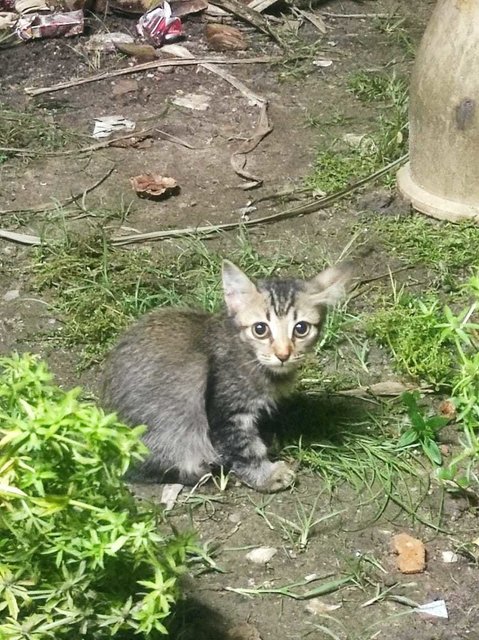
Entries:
{"x":298,"y":59}
{"x":27,"y":130}
{"x":446,"y":248}
{"x":422,"y":430}
{"x":388,"y":89}
{"x":409,"y":328}
{"x":297,"y":532}
{"x":339,"y":165}
{"x":394,"y":28}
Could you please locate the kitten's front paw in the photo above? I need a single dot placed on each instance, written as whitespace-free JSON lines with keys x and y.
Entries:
{"x":280,"y":478}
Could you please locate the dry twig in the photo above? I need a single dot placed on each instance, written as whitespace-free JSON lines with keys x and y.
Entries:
{"x":146,"y":66}
{"x":310,"y":207}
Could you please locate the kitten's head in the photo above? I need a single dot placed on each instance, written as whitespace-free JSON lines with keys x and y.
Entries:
{"x":281,"y":319}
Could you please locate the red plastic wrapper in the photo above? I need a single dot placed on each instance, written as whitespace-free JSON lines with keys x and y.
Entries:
{"x":159,"y":26}
{"x":50,"y":25}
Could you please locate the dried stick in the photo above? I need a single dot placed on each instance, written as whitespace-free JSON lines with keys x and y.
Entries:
{"x":355,"y":15}
{"x":70,"y":152}
{"x":146,"y":66}
{"x":209,"y":230}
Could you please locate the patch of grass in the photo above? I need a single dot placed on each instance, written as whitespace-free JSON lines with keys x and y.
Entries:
{"x":449,"y":249}
{"x":98,"y":290}
{"x":341,"y":164}
{"x":27,"y":130}
{"x":363,"y":453}
{"x":409,"y":327}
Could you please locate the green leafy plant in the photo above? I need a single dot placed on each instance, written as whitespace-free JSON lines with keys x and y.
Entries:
{"x":422,"y":430}
{"x":409,"y":328}
{"x":462,"y":329}
{"x":78,"y":557}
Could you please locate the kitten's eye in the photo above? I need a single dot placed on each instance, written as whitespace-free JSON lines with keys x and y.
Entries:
{"x":260,"y":330}
{"x":301,"y":329}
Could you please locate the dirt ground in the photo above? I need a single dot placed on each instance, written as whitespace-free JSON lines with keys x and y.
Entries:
{"x":211,"y":193}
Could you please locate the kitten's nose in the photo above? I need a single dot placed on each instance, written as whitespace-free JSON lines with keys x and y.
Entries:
{"x":283,"y":355}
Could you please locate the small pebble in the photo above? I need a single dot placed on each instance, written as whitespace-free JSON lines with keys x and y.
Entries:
{"x":449,"y":557}
{"x":13,"y":294}
{"x":261,"y":555}
{"x":235,"y":518}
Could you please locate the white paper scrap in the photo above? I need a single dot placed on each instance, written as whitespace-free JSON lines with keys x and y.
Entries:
{"x":436,"y":608}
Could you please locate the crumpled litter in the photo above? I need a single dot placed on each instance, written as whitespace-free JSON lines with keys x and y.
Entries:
{"x":436,"y":608}
{"x":52,"y":25}
{"x":158,"y":25}
{"x":108,"y":124}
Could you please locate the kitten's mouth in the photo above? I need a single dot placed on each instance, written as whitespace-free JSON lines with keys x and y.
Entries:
{"x":283,"y":367}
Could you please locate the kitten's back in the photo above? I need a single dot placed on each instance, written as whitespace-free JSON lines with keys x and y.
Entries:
{"x":157,"y":375}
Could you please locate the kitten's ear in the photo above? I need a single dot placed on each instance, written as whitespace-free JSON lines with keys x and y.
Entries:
{"x":329,"y":287}
{"x":238,"y":288}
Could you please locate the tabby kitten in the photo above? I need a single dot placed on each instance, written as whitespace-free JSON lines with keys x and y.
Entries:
{"x":200,"y":382}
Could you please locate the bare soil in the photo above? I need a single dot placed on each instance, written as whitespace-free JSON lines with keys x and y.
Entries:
{"x":210,"y":192}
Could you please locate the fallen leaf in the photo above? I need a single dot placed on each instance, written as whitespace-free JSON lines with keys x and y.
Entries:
{"x":315,"y":19}
{"x":180,"y":8}
{"x":411,"y":553}
{"x":126,"y":85}
{"x":176,"y":50}
{"x":29,"y":6}
{"x":261,"y":5}
{"x":143,"y":52}
{"x":105,"y":126}
{"x":238,"y":158}
{"x":447,"y":409}
{"x":221,"y":37}
{"x":153,"y":185}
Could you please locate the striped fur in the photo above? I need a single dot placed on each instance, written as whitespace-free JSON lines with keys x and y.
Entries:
{"x":200,"y":382}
